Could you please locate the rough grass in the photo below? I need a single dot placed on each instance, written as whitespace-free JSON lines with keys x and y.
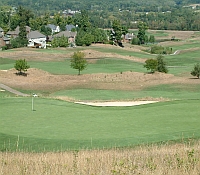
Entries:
{"x":175,"y":159}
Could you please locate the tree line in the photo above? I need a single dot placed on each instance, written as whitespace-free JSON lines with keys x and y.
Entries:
{"x":162,"y":15}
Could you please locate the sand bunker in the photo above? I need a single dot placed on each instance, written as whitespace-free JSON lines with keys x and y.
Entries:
{"x":129,"y":103}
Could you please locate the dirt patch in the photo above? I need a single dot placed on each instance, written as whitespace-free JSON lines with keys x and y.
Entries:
{"x":31,"y":54}
{"x":37,"y":79}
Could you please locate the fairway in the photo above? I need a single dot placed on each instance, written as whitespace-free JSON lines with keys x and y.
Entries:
{"x":113,"y":74}
{"x":58,"y":125}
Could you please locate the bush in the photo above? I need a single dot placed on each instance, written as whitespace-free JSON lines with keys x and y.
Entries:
{"x":60,"y":42}
{"x":135,"y":41}
{"x":151,"y":64}
{"x":196,"y":70}
{"x":18,"y":42}
{"x":21,"y":65}
{"x":4,"y":47}
{"x":161,"y":67}
{"x":151,"y":39}
{"x":160,"y":50}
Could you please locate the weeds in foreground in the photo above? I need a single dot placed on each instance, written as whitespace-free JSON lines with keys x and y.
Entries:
{"x":164,"y":159}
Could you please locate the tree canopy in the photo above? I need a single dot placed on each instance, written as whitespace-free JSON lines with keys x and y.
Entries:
{"x":196,"y":70}
{"x":78,"y":61}
{"x":21,"y":65}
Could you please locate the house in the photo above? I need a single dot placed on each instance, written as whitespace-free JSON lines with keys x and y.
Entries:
{"x":4,"y":40}
{"x":70,"y":27}
{"x":70,"y":35}
{"x":36,"y":40}
{"x":1,"y":31}
{"x":2,"y":43}
{"x":15,"y":33}
{"x":128,"y":37}
{"x":54,"y":28}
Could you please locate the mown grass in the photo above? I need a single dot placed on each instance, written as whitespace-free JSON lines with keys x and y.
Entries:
{"x":104,"y":65}
{"x":186,"y":46}
{"x":58,"y":125}
{"x":6,"y":63}
{"x":107,"y":65}
{"x":168,"y":91}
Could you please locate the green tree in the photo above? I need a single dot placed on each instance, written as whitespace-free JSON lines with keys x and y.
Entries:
{"x":15,"y":42}
{"x":135,"y":41}
{"x":60,"y":42}
{"x":142,"y":26}
{"x":21,"y":65}
{"x":22,"y":34}
{"x":151,"y":64}
{"x":116,"y":32}
{"x":124,"y":31}
{"x":24,"y":16}
{"x":151,"y":39}
{"x":45,"y":30}
{"x":82,"y":20}
{"x":78,"y":61}
{"x":196,"y":70}
{"x":161,"y":67}
{"x":84,"y":38}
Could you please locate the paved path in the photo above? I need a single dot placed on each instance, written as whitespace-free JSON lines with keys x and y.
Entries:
{"x":3,"y":86}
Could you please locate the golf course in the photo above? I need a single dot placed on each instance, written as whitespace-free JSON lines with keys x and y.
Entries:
{"x":54,"y":121}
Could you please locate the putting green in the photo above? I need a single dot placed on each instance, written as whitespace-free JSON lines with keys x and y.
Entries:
{"x":58,"y":125}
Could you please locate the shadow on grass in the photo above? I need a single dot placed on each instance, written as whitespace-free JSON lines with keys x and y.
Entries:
{"x":21,"y":74}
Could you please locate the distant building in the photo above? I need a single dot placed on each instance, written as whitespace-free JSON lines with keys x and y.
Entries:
{"x":1,"y":31}
{"x":128,"y":37}
{"x":70,"y":35}
{"x":54,"y":28}
{"x":69,"y":27}
{"x":70,"y":12}
{"x":36,"y":40}
{"x":4,"y":40}
{"x":15,"y":33}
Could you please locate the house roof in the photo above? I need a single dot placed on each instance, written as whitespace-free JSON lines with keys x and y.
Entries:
{"x":6,"y":39}
{"x":16,"y":31}
{"x":51,"y":26}
{"x":129,"y":36}
{"x":70,"y":27}
{"x":35,"y":34}
{"x":66,"y":34}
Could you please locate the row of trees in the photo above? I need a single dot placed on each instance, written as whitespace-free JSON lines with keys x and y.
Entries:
{"x":175,"y":18}
{"x":95,"y":5}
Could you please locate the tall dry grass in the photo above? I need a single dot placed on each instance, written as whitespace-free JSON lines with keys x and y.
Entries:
{"x":176,"y":159}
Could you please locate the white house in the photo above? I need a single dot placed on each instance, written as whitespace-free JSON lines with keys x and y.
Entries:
{"x":36,"y":39}
{"x":54,"y":28}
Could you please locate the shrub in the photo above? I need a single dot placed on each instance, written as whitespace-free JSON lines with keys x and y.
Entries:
{"x":4,"y":47}
{"x":161,"y":67}
{"x":135,"y":41}
{"x":151,"y":64}
{"x":21,"y":65}
{"x":160,"y":50}
{"x":196,"y":70}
